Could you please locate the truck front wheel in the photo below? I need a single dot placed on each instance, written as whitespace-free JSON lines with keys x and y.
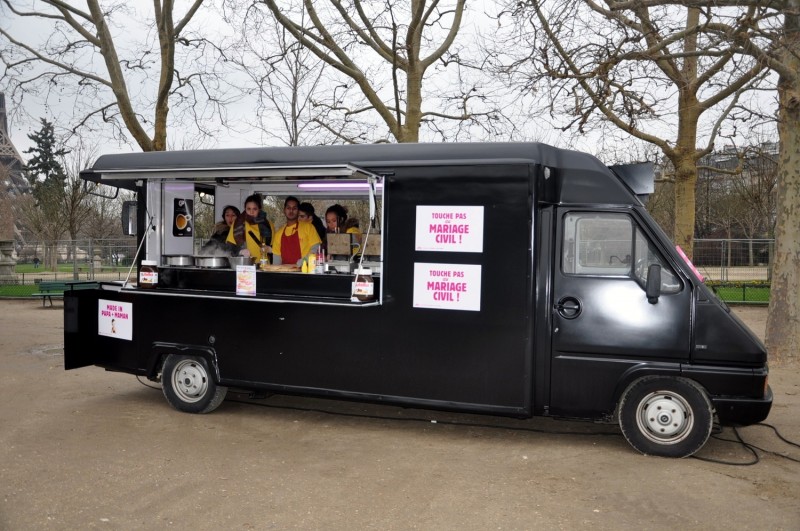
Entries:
{"x":668,"y":417}
{"x":188,"y":386}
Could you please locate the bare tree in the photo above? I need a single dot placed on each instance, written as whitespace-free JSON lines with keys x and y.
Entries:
{"x":91,"y":56}
{"x":653,"y":73}
{"x":46,"y":222}
{"x":743,"y":181}
{"x":286,"y":79}
{"x":103,"y":221}
{"x":76,"y":208}
{"x":755,"y":186}
{"x":387,"y":49}
{"x":769,"y":31}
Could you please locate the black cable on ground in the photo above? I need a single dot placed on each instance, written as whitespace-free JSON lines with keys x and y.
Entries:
{"x":753,"y":449}
{"x":746,"y":446}
{"x":781,"y":437}
{"x":139,"y":379}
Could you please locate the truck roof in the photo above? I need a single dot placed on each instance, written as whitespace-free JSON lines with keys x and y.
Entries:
{"x":575,"y":171}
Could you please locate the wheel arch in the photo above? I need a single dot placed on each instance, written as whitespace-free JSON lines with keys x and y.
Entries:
{"x":159,"y":351}
{"x":635,"y":373}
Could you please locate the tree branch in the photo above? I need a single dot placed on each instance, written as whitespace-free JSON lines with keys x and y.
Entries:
{"x":63,"y":66}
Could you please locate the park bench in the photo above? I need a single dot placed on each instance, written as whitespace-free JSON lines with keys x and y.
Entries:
{"x":50,"y":289}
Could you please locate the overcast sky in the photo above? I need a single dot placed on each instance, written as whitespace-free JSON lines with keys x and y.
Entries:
{"x":240,"y":111}
{"x":59,"y":107}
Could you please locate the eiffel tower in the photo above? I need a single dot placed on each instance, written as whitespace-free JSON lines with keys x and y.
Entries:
{"x":13,"y":183}
{"x":10,"y":158}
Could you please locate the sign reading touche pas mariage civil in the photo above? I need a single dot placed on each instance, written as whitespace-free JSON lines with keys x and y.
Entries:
{"x":449,"y":228}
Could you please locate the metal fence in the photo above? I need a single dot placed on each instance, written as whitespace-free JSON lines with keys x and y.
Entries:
{"x":734,"y":260}
{"x":22,"y":270}
{"x":80,"y":253}
{"x":737,"y":270}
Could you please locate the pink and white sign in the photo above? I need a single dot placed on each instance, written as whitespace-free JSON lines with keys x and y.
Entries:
{"x":449,"y":228}
{"x":447,"y":286}
{"x":115,"y":319}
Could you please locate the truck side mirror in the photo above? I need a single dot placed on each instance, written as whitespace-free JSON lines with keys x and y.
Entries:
{"x":653,"y":287}
{"x":129,"y":218}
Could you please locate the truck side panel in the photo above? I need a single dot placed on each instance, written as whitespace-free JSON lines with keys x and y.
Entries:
{"x":83,"y":345}
{"x":455,"y":359}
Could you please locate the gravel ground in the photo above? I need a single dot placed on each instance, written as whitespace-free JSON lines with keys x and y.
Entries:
{"x":88,"y":449}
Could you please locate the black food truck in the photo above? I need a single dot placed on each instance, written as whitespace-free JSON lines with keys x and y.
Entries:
{"x":511,"y":279}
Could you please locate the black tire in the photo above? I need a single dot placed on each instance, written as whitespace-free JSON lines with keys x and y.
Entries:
{"x":188,"y":386}
{"x":665,"y":416}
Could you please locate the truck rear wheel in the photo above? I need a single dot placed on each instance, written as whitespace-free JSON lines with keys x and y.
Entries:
{"x":188,"y":386}
{"x":668,"y":417}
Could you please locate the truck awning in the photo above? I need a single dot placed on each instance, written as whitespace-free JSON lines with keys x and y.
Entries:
{"x":284,"y":179}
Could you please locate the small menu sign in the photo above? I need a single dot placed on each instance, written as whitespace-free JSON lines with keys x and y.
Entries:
{"x":246,"y":280}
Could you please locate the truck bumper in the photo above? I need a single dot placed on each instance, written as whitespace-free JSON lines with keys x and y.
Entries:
{"x":742,"y":411}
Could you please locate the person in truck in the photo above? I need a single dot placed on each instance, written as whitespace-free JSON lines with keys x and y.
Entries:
{"x":308,"y":214}
{"x":295,"y":241}
{"x":337,"y":222}
{"x":251,"y":228}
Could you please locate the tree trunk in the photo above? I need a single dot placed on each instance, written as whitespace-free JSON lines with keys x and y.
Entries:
{"x":414,"y":103}
{"x":685,"y":183}
{"x":783,"y":321}
{"x":684,"y":156}
{"x":53,"y":256}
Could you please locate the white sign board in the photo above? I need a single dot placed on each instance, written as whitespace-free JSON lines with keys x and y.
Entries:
{"x":246,"y":280}
{"x":456,"y":229}
{"x":115,"y":319}
{"x":447,"y":286}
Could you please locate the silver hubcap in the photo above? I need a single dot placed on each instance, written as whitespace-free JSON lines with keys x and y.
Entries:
{"x":190,"y":381}
{"x":664,"y":417}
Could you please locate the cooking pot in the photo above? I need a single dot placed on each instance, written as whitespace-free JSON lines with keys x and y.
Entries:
{"x":211,"y":261}
{"x":179,"y":260}
{"x":239,"y":260}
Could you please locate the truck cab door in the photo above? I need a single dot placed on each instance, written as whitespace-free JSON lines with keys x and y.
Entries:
{"x":605,"y":319}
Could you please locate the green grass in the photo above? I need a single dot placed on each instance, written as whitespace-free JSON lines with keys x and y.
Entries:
{"x":18,"y":290}
{"x":743,"y":294}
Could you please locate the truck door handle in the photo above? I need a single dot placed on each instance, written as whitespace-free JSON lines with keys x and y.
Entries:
{"x":568,"y":307}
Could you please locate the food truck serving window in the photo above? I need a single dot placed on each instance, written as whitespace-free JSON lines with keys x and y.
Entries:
{"x":203,"y":223}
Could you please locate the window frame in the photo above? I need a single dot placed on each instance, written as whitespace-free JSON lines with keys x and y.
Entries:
{"x":639,"y":239}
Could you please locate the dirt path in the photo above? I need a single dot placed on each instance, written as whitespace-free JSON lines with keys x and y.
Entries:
{"x":87,"y":449}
